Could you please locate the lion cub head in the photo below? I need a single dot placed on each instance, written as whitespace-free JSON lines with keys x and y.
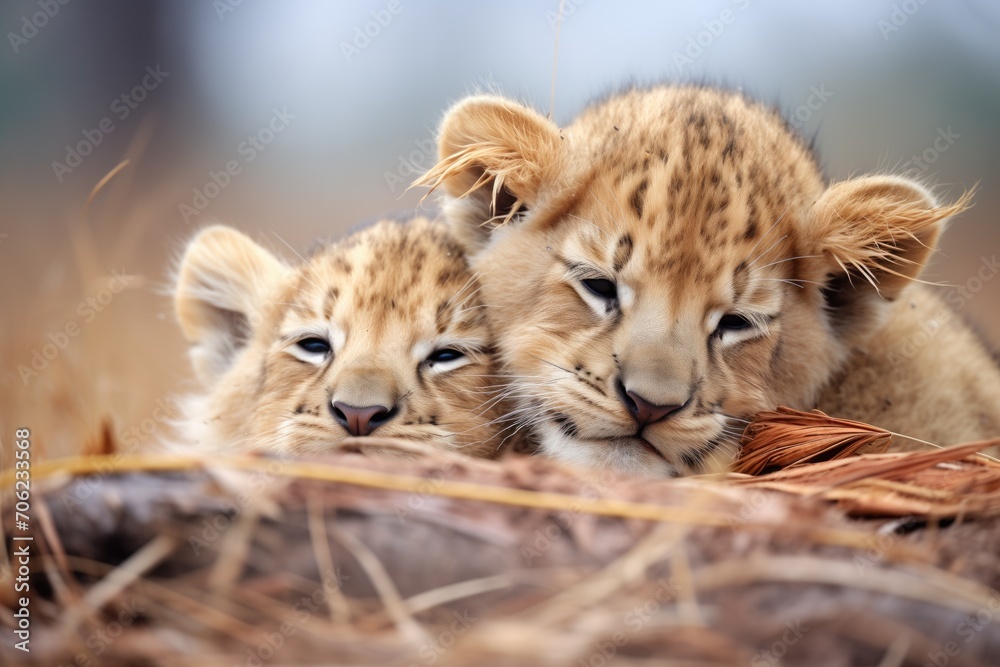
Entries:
{"x":669,"y":264}
{"x":381,"y":334}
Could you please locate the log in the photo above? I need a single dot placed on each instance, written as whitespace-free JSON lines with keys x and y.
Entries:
{"x":445,"y":560}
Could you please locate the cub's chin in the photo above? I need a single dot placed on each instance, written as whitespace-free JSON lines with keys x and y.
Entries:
{"x":625,"y":456}
{"x":637,"y":456}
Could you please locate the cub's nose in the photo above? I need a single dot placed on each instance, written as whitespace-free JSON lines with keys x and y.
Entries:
{"x":361,"y":421}
{"x":642,"y":411}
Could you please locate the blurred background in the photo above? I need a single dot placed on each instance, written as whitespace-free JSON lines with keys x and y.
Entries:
{"x":298,"y":119}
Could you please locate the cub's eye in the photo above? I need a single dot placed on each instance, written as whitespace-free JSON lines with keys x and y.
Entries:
{"x":602,"y":288}
{"x":443,"y":355}
{"x":314,"y":345}
{"x":732,"y":322}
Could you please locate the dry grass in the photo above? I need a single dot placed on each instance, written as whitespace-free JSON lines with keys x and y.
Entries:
{"x":545,"y":565}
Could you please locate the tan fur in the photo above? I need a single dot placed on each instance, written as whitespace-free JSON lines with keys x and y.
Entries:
{"x":384,"y":299}
{"x":700,"y":207}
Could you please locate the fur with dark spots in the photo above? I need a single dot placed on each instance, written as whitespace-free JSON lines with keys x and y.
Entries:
{"x":566,"y":425}
{"x":417,"y":262}
{"x":442,"y":317}
{"x":342,"y":264}
{"x":694,"y":459}
{"x":593,"y":384}
{"x":449,"y":275}
{"x":776,"y":353}
{"x":752,"y":217}
{"x":623,"y":252}
{"x":729,"y":149}
{"x":332,"y":295}
{"x":638,"y":197}
{"x":723,"y":202}
{"x":741,"y":278}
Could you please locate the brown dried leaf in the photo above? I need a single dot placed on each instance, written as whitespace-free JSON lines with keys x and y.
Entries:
{"x":786,"y":438}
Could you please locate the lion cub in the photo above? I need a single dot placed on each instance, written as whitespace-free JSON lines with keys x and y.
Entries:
{"x":672,"y":262}
{"x":381,"y":334}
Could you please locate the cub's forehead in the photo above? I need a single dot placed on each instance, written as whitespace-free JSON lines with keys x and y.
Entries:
{"x":387,"y":274}
{"x":686,"y":182}
{"x":642,"y":260}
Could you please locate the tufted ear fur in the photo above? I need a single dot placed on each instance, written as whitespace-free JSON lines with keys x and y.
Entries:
{"x":873,"y":235}
{"x":493,"y":156}
{"x":223,"y":282}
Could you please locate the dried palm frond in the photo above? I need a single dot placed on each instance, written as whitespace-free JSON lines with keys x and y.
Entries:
{"x":942,"y":483}
{"x":786,"y":438}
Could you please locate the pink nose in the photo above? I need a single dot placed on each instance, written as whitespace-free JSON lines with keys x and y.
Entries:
{"x":645,"y":412}
{"x":361,"y":421}
{"x":642,"y":411}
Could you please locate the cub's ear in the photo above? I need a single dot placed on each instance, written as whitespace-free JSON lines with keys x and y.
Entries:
{"x":222,"y":284}
{"x":493,"y":157}
{"x":873,"y":235}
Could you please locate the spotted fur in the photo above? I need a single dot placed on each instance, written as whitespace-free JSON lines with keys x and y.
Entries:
{"x":384,"y":300}
{"x":741,"y":280}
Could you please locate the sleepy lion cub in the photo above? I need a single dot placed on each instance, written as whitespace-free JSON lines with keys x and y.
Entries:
{"x":381,"y":334}
{"x":672,"y":262}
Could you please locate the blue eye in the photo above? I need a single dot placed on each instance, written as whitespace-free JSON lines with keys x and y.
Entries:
{"x":443,"y":355}
{"x":733,"y":323}
{"x":602,"y":288}
{"x":314,"y":345}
